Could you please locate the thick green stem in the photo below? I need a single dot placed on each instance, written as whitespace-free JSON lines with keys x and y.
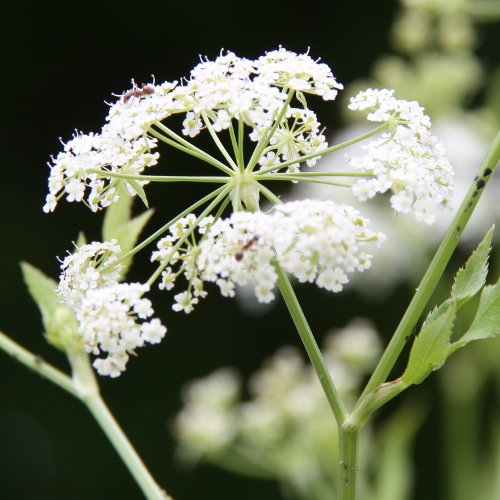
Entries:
{"x":435,"y":270}
{"x":310,"y":345}
{"x":349,"y":444}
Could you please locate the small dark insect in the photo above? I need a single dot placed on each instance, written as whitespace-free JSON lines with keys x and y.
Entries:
{"x":145,"y":89}
{"x":480,"y":183}
{"x":487,"y":171}
{"x":412,"y":335}
{"x":241,"y":252}
{"x":38,"y":359}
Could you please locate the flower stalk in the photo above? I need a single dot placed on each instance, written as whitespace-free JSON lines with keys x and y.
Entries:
{"x":84,"y":387}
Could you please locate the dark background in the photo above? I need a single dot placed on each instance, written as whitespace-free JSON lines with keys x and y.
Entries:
{"x":61,"y":61}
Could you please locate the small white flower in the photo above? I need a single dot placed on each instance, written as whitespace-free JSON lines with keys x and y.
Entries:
{"x":184,"y":301}
{"x":153,"y":331}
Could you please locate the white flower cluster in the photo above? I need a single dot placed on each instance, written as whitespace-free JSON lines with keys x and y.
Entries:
{"x":298,"y":136}
{"x":109,"y":313}
{"x":90,"y":267}
{"x":109,"y":320}
{"x":254,"y":91}
{"x":132,"y":115}
{"x":215,"y":93}
{"x":184,"y":259}
{"x":314,"y":241}
{"x":73,"y":171}
{"x":407,"y":159}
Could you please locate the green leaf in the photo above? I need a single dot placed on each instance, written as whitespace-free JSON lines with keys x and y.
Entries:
{"x":61,"y":327}
{"x":127,"y":235}
{"x":436,"y":312}
{"x":118,"y":225}
{"x":117,"y":214}
{"x":430,"y":349}
{"x":42,"y":288}
{"x":486,"y":323}
{"x":471,"y":278}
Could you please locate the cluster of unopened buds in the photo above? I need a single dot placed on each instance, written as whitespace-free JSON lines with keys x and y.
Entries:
{"x":232,"y":99}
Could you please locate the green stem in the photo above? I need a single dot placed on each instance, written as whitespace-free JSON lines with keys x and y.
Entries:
{"x":236,"y":149}
{"x":183,"y":144}
{"x":278,"y":175}
{"x":37,"y":364}
{"x":84,"y":387}
{"x":161,"y":178}
{"x":269,"y":194}
{"x":217,"y":141}
{"x":310,"y":345}
{"x":348,"y":444}
{"x":292,"y":177}
{"x":264,"y":140}
{"x":165,"y":227}
{"x":223,"y":193}
{"x":197,"y":153}
{"x":241,"y":142}
{"x":435,"y":270}
{"x":324,"y":152}
{"x":119,"y":440}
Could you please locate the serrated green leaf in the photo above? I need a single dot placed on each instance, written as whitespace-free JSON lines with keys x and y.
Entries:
{"x":117,"y":214}
{"x":471,"y":278}
{"x":486,"y":322}
{"x":128,"y":234}
{"x":430,"y":348}
{"x":61,"y":327}
{"x":436,"y":312}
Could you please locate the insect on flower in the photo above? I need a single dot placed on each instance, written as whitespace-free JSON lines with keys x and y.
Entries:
{"x":241,"y":252}
{"x":145,"y":89}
